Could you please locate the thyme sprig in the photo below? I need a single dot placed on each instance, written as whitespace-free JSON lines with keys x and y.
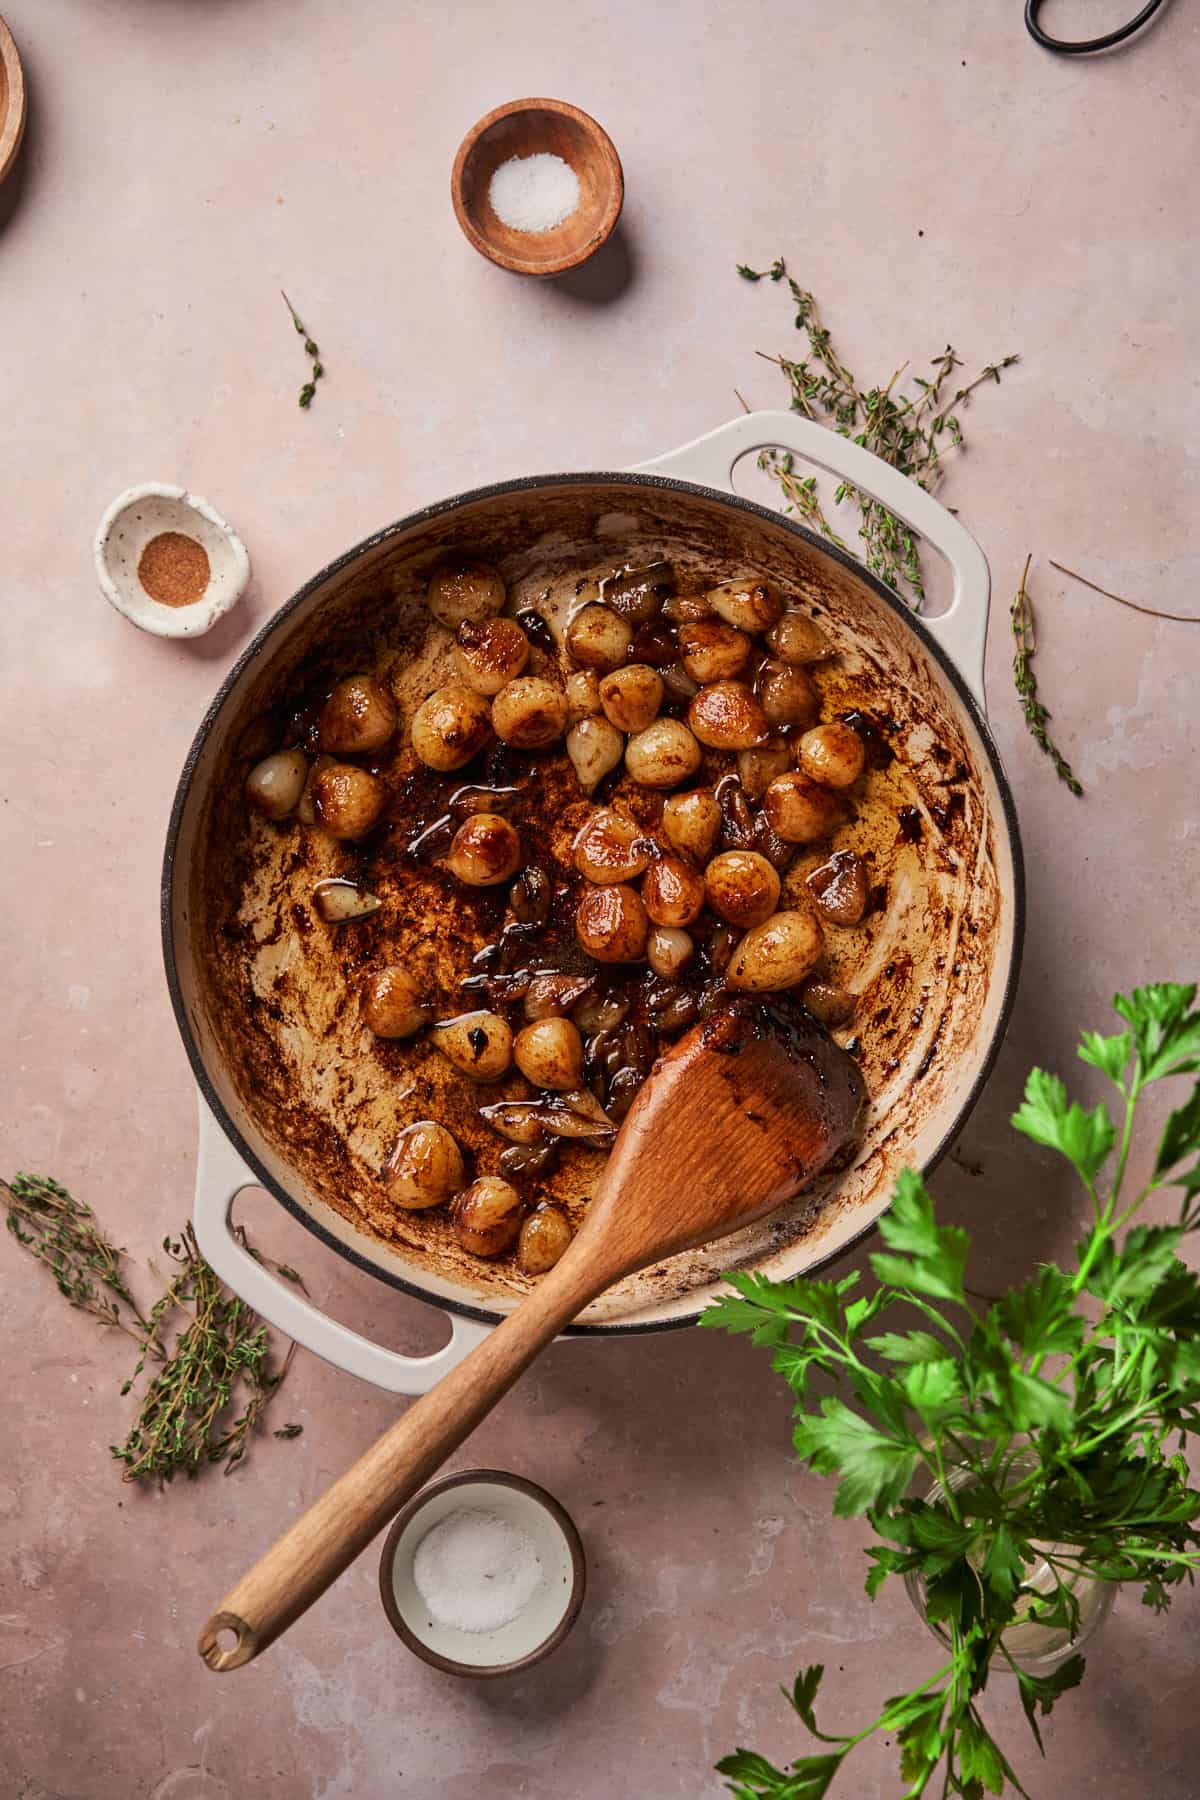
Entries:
{"x":1049,"y":1426}
{"x":221,"y":1362}
{"x":221,"y":1357}
{"x":65,"y":1234}
{"x":1024,"y":629}
{"x":911,"y":431}
{"x":305,"y":397}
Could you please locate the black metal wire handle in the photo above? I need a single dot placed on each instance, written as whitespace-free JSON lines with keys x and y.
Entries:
{"x":1082,"y":47}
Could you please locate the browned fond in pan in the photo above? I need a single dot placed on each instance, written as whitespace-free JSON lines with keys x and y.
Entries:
{"x":278,"y":1001}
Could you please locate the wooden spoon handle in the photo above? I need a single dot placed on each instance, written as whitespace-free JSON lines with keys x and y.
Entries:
{"x":301,"y":1564}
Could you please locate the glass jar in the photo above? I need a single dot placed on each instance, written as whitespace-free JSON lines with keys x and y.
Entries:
{"x":1037,"y":1648}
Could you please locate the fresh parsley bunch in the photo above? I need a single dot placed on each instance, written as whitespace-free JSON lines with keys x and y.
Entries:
{"x":1060,"y":1411}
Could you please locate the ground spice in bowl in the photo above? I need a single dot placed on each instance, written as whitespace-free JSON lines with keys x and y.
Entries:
{"x":174,"y":569}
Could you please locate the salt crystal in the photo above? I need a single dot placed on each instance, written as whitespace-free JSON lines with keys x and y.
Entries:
{"x":476,"y":1571}
{"x":534,"y":193}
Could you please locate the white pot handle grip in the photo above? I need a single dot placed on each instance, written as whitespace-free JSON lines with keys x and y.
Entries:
{"x":962,"y":629}
{"x":220,"y":1177}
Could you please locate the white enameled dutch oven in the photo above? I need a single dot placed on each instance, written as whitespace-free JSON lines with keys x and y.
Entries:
{"x":292,"y":1094}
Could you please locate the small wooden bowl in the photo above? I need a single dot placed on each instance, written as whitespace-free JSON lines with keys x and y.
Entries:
{"x":528,"y":128}
{"x":12,"y":101}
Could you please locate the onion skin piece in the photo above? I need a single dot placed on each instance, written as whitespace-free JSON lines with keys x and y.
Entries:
{"x":577,"y":1115}
{"x":517,"y":1120}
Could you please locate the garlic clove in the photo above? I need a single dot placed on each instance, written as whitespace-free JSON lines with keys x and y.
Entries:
{"x":339,"y":900}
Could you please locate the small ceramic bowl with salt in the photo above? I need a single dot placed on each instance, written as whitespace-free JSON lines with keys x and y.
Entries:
{"x":482,"y":1573}
{"x":168,"y":561}
{"x":537,"y":186}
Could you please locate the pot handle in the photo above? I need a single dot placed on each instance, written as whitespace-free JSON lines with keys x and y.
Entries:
{"x":220,"y":1177}
{"x":962,"y":629}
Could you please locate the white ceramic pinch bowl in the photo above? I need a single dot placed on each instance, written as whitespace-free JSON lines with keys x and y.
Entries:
{"x":143,"y":513}
{"x":547,"y":1616}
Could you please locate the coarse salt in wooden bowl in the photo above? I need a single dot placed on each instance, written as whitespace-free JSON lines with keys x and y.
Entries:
{"x":12,"y":101}
{"x":528,"y":128}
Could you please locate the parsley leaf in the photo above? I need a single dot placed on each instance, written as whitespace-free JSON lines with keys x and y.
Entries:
{"x":1040,"y":1317}
{"x":1108,"y":1054}
{"x":1166,"y":1031}
{"x":934,"y":1256}
{"x":1039,"y":1692}
{"x":802,"y":1697}
{"x":875,"y":1467}
{"x":1045,"y":1115}
{"x":1181,"y":1134}
{"x":1004,"y":1565}
{"x":909,"y":1347}
{"x":755,"y":1778}
{"x":978,"y":1757}
{"x":933,"y":1389}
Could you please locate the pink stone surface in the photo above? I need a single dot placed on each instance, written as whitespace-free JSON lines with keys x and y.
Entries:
{"x":930,"y":175}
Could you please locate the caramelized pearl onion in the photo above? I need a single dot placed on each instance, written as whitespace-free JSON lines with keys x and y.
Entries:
{"x":392,"y":1005}
{"x":465,"y":589}
{"x":841,"y":888}
{"x":741,"y":887}
{"x":673,"y":892}
{"x":359,"y":715}
{"x":776,"y":954}
{"x":832,"y":754}
{"x":610,"y":848}
{"x":691,"y":823}
{"x":451,"y":727}
{"x":487,"y":1216}
{"x":545,"y":1235}
{"x":490,"y":653}
{"x":480,"y":1044}
{"x":611,"y":924}
{"x":425,"y":1166}
{"x":485,"y":850}
{"x":274,"y":786}
{"x":347,"y":800}
{"x":727,"y":716}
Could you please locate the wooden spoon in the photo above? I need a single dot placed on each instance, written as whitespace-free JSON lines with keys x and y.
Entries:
{"x":733,"y":1120}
